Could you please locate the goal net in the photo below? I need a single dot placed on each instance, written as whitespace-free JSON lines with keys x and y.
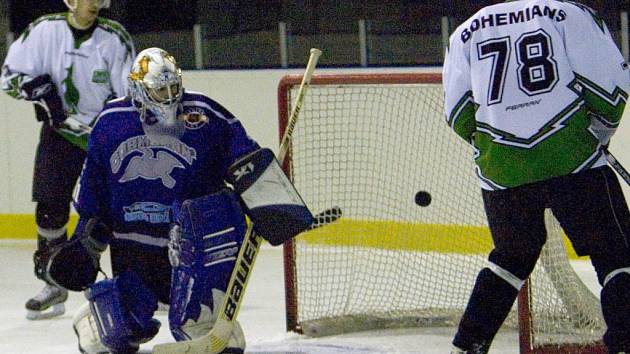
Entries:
{"x":368,"y":143}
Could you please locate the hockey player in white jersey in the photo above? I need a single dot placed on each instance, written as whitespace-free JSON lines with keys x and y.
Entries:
{"x":538,"y":87}
{"x":69,"y":65}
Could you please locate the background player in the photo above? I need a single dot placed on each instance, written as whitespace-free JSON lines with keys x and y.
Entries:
{"x":69,"y":64}
{"x":158,"y":157}
{"x":538,"y":87}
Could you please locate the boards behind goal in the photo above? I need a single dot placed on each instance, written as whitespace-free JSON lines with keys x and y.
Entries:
{"x":368,"y":143}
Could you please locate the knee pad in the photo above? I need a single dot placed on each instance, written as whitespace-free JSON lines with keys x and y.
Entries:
{"x":123,"y":309}
{"x":515,"y":268}
{"x":203,"y":253}
{"x":52,"y":216}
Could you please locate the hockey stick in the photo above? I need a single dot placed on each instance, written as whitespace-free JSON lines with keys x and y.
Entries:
{"x":217,"y":339}
{"x":612,"y":161}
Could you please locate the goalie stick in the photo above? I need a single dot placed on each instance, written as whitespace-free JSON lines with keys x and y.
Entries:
{"x":217,"y":339}
{"x":612,"y":161}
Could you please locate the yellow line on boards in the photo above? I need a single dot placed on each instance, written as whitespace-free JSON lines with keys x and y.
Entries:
{"x":389,"y":235}
{"x":393,"y":235}
{"x":23,"y":227}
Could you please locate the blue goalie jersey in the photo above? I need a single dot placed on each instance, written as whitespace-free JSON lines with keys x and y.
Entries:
{"x":133,"y":176}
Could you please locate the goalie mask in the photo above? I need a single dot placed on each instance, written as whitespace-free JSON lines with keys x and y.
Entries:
{"x":155,"y":83}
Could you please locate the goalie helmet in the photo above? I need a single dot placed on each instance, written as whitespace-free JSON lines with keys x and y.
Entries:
{"x":155,"y":84}
{"x":72,"y":4}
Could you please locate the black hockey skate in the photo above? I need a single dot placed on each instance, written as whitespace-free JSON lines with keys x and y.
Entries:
{"x":47,"y":304}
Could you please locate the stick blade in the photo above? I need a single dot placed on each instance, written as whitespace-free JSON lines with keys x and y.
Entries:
{"x":212,"y":343}
{"x":326,"y":217}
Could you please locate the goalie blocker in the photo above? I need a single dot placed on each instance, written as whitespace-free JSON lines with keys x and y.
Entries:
{"x":273,"y":204}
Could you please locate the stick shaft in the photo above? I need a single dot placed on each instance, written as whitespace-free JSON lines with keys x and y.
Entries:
{"x":295,"y":112}
{"x":612,"y":161}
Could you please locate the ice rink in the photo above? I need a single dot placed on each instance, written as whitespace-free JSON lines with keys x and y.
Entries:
{"x":262,"y":316}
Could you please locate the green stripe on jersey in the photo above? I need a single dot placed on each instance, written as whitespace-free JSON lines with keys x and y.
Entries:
{"x":572,"y":148}
{"x":608,"y":105}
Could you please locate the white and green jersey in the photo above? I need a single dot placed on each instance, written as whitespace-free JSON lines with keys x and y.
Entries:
{"x":86,"y":70}
{"x":521,"y":79}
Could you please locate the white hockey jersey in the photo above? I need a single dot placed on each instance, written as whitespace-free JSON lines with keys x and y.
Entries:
{"x":523,"y":82}
{"x":86,"y":71}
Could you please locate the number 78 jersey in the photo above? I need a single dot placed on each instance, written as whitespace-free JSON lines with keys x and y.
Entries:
{"x":523,"y":81}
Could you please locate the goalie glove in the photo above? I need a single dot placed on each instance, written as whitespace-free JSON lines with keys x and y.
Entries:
{"x":43,"y":92}
{"x":75,"y":264}
{"x":271,"y":201}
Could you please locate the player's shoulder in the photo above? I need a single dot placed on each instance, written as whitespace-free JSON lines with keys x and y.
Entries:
{"x":50,"y":19}
{"x":111,"y":26}
{"x":114,"y":113}
{"x":579,"y":12}
{"x":196,"y":101}
{"x":115,"y":29}
{"x":45,"y":24}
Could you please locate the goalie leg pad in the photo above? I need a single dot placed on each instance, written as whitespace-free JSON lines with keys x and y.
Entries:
{"x":84,"y":326}
{"x":272,"y":202}
{"x":203,"y":249}
{"x":123,"y":308}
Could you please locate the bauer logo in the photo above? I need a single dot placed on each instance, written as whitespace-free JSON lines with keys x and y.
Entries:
{"x":243,"y":269}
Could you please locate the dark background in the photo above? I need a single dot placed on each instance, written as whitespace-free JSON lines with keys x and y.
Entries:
{"x":306,"y":16}
{"x":242,"y":34}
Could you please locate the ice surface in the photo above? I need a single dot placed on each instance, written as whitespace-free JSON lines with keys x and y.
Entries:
{"x":262,"y":316}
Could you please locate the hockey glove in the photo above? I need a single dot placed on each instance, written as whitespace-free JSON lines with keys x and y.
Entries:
{"x":43,"y":92}
{"x":76,"y":264}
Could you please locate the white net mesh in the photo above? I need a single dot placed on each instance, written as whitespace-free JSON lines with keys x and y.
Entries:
{"x":369,"y":148}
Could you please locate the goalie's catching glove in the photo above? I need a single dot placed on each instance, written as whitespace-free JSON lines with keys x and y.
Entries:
{"x":76,"y":263}
{"x":43,"y":92}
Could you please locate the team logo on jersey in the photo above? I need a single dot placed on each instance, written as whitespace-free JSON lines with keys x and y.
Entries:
{"x":149,"y":167}
{"x":194,"y":118}
{"x":157,"y":160}
{"x":100,"y":76}
{"x":151,"y":212}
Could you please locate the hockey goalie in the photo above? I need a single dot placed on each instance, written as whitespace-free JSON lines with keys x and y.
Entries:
{"x":169,"y":177}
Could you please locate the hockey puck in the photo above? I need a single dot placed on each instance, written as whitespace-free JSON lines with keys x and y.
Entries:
{"x":423,"y":198}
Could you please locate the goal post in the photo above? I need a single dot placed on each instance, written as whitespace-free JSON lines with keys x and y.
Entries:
{"x":369,"y":143}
